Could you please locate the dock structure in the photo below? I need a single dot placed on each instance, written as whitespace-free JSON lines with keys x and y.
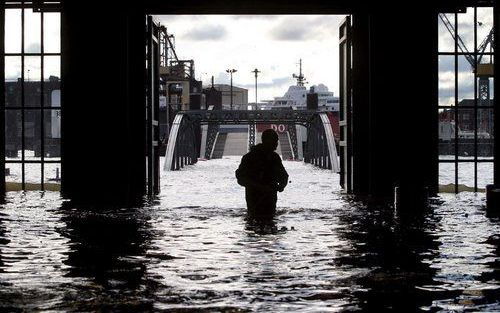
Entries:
{"x":383,"y":148}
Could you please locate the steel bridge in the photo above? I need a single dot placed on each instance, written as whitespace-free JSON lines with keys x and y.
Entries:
{"x":186,"y":140}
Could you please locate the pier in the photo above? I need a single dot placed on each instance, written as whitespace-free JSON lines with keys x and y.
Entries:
{"x":119,"y":158}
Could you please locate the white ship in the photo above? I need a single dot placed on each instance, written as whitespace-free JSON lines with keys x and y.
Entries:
{"x":296,"y":97}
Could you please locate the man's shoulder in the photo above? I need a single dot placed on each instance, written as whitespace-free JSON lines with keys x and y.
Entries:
{"x":276,"y":156}
{"x":249,"y":156}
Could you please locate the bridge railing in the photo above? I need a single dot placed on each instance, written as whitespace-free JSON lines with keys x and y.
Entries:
{"x":183,"y":148}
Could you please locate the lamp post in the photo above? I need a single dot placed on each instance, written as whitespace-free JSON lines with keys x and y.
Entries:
{"x":231,"y":71}
{"x":256,"y":72}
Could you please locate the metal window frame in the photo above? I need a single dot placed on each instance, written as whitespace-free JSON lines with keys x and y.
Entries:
{"x":456,"y":53}
{"x":40,"y":7}
{"x":2,"y":97}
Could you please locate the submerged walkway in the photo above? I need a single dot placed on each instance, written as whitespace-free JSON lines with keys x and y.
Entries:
{"x":213,"y":184}
{"x":193,"y":250}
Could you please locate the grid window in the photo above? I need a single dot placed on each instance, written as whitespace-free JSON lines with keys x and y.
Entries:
{"x":465,"y":105}
{"x":32,"y":102}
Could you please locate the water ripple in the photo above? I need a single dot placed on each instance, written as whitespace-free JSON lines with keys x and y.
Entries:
{"x":322,"y":252}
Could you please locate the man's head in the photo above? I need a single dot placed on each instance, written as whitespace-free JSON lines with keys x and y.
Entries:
{"x":270,"y":139}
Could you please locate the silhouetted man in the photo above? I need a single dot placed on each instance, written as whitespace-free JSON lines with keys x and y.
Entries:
{"x":263,"y":175}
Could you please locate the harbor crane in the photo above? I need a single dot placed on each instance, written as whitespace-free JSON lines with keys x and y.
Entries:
{"x":483,"y":71}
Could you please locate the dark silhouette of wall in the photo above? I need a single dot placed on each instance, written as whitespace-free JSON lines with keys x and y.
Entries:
{"x":390,"y":146}
{"x":2,"y":105}
{"x":103,"y":128}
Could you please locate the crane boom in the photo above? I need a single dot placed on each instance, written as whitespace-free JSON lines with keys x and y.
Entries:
{"x":459,"y":40}
{"x":463,"y":47}
{"x":488,"y":39}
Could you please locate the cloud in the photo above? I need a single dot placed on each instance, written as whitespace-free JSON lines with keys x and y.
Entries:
{"x":222,"y":78}
{"x":179,"y":18}
{"x":33,"y":47}
{"x":254,"y":17}
{"x":275,"y":83}
{"x":206,"y":32}
{"x":447,"y":64}
{"x":290,"y":29}
{"x":447,"y":89}
{"x":301,"y":28}
{"x":248,"y":43}
{"x":466,"y":29}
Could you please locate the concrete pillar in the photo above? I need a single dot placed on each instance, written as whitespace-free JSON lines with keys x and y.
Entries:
{"x":2,"y":107}
{"x":493,"y":198}
{"x":361,"y":103}
{"x":395,"y":105}
{"x":103,"y":96}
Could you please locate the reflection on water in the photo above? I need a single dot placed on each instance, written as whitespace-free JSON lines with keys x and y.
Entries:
{"x":343,"y":257}
{"x":108,"y":258}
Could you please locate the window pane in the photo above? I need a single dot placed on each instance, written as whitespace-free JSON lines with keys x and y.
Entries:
{"x":52,"y":32}
{"x":12,"y":134}
{"x":466,"y":127}
{"x":12,"y":85}
{"x":13,"y":31}
{"x":446,"y":43}
{"x":484,"y":26}
{"x":465,"y":79}
{"x":32,"y":78}
{"x":465,"y":148}
{"x":53,"y":94}
{"x":32,"y":134}
{"x":485,"y":85}
{"x":52,"y":121}
{"x":466,"y":29}
{"x":447,"y":132}
{"x":485,"y":123}
{"x":446,"y":77}
{"x":485,"y":133}
{"x":32,"y":31}
{"x":52,"y":82}
{"x":33,"y":175}
{"x":52,"y":68}
{"x":492,"y":87}
{"x":484,"y":174}
{"x":12,"y":68}
{"x":52,"y":173}
{"x":466,"y":176}
{"x":446,"y":177}
{"x":14,"y":174}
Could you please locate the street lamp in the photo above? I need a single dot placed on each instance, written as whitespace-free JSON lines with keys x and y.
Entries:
{"x":231,"y":71}
{"x":256,"y":72}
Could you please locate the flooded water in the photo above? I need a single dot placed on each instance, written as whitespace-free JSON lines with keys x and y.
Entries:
{"x":194,"y":250}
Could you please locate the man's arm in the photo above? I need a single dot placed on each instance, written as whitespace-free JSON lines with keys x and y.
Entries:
{"x":282,"y":175}
{"x":242,"y":172}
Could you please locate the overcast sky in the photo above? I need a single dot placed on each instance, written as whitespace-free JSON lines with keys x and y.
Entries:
{"x":273,"y":44}
{"x":52,"y":44}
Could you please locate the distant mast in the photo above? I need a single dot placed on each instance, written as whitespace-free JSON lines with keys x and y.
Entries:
{"x":301,"y":80}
